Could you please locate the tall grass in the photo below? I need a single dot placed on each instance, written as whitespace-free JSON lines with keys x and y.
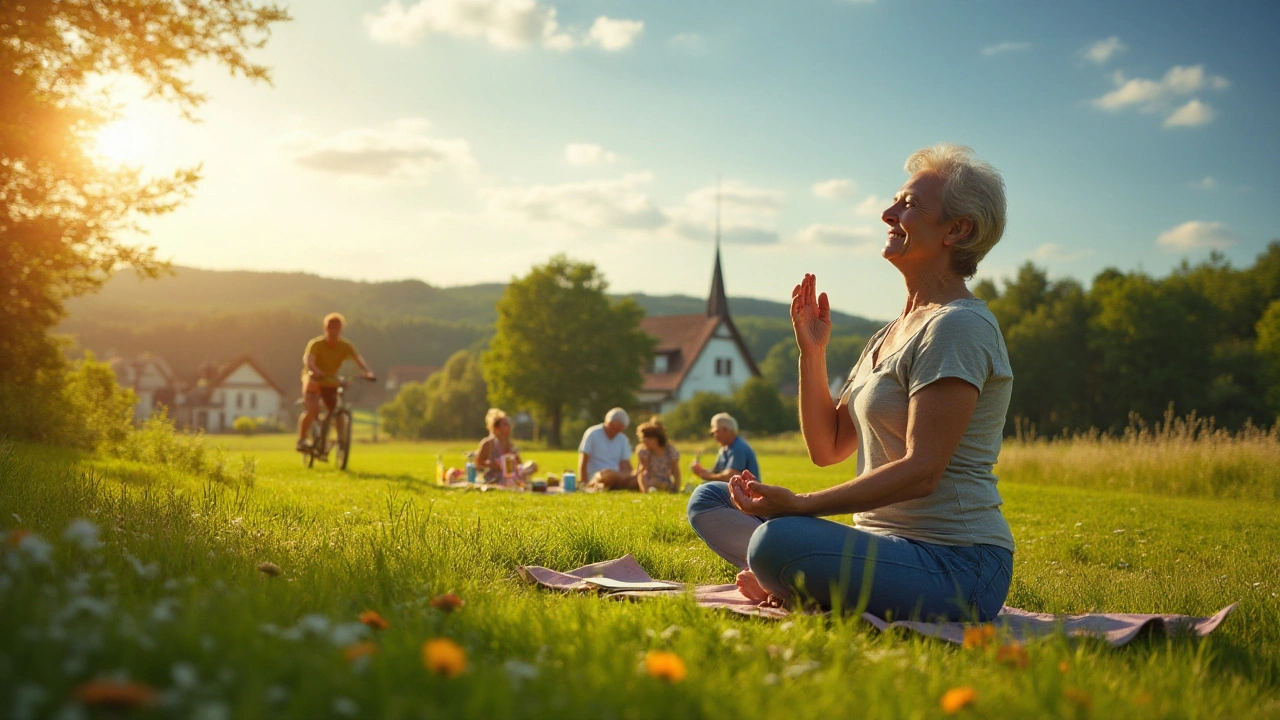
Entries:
{"x":1176,"y":456}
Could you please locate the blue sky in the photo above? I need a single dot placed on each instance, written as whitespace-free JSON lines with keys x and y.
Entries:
{"x":461,"y":141}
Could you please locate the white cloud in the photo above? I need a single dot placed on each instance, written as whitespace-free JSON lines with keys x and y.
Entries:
{"x":748,"y":215}
{"x":1053,"y":252}
{"x":505,"y":24}
{"x":849,"y":236}
{"x":1205,"y":183}
{"x":588,"y":154}
{"x":1193,"y":114}
{"x":1152,"y":96}
{"x":835,"y":188}
{"x":624,"y":203}
{"x":614,"y":35}
{"x":1103,"y":50}
{"x":1196,"y":234}
{"x":688,"y":41}
{"x":872,"y":206}
{"x":1005,"y":47}
{"x":401,"y":150}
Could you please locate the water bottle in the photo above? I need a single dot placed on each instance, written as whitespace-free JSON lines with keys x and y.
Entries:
{"x":569,"y":481}
{"x":471,"y":472}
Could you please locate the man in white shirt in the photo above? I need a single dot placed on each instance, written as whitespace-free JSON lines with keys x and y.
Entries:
{"x":604,"y":457}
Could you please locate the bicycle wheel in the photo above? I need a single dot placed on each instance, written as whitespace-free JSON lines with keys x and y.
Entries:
{"x":342,"y":447}
{"x":318,"y":432}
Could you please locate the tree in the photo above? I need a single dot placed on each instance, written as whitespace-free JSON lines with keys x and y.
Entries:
{"x":405,"y":417}
{"x":762,"y":408}
{"x":457,"y":398}
{"x":562,"y":347}
{"x":63,"y":213}
{"x":1268,"y":349}
{"x":692,"y":418}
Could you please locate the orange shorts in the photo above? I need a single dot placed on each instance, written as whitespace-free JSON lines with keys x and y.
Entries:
{"x":328,"y":394}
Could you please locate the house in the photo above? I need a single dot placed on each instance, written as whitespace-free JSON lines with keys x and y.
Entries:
{"x":695,"y":353}
{"x":240,"y":388}
{"x":151,"y":380}
{"x":400,"y":375}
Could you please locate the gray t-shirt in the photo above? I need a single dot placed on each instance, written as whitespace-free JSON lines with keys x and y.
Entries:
{"x":603,"y":453}
{"x":961,"y":339}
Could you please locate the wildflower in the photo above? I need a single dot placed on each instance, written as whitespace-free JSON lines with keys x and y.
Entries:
{"x":664,"y":666}
{"x":979,"y":636}
{"x":446,"y":603}
{"x":270,"y":569}
{"x":374,"y":620}
{"x":443,"y":656}
{"x":800,"y":668}
{"x":1013,"y":654}
{"x":519,"y":671}
{"x":360,"y":650}
{"x":345,"y":706}
{"x":347,"y":633}
{"x":1077,"y":696}
{"x":116,"y":694}
{"x":1143,"y":698}
{"x":15,"y":537}
{"x":83,"y":533}
{"x":957,"y":698}
{"x":1064,"y":666}
{"x":730,"y":634}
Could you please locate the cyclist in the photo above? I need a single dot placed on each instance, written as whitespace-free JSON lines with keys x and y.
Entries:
{"x":321,"y":361}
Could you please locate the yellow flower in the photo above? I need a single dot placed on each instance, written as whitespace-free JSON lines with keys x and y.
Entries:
{"x":1013,"y":654}
{"x":111,"y":693}
{"x":443,"y":656}
{"x":351,"y":653}
{"x":665,"y":666}
{"x":269,"y":568}
{"x":446,"y":603}
{"x":374,"y":620}
{"x":957,"y":698}
{"x":979,"y":636}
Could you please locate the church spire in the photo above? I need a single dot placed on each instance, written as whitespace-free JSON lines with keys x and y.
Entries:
{"x":717,"y":304}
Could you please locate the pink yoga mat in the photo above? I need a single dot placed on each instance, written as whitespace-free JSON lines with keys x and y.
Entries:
{"x":623,"y":578}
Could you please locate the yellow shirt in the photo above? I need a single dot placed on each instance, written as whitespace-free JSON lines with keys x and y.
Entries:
{"x":329,"y":359}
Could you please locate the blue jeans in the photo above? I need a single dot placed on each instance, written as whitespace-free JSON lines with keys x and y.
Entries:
{"x":830,"y":563}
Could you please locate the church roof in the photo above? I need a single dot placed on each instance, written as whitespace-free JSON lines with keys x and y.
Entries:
{"x":681,"y":338}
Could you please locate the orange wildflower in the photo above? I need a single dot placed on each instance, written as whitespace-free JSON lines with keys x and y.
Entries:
{"x":110,"y":693}
{"x":361,"y":649}
{"x":446,"y":603}
{"x":1143,"y":698}
{"x":374,"y":620}
{"x":269,"y":568}
{"x":1013,"y":653}
{"x":1064,"y":666}
{"x":958,"y":698}
{"x":665,"y":666}
{"x":1077,"y":696}
{"x":16,"y":537}
{"x":979,"y":636}
{"x":443,"y":656}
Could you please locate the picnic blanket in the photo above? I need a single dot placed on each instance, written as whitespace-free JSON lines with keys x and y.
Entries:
{"x":623,"y":578}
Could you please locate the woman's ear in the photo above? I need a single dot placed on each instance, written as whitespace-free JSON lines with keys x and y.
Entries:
{"x":961,"y":229}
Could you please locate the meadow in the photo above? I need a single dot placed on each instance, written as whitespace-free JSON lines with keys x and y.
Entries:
{"x":143,"y":573}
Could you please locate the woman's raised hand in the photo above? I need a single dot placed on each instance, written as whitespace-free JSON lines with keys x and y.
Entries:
{"x":810,"y":316}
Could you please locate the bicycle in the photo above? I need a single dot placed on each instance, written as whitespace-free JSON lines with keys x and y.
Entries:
{"x":318,"y":448}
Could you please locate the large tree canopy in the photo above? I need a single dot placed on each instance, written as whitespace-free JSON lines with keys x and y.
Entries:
{"x":562,"y":346}
{"x":65,"y":215}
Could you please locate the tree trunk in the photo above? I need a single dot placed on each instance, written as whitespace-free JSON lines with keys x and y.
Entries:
{"x":553,"y":429}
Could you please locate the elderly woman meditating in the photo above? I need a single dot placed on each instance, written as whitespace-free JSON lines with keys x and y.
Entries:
{"x":924,"y":408}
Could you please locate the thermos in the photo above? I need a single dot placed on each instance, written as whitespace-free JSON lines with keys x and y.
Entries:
{"x":570,"y":482}
{"x":471,"y":472}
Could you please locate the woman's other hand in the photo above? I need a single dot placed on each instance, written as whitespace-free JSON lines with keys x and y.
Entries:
{"x":755,"y":498}
{"x":810,"y":316}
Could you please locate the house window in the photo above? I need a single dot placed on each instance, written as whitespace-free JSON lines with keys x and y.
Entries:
{"x":661,"y":363}
{"x":239,"y":400}
{"x":253,"y":400}
{"x":724,"y":367}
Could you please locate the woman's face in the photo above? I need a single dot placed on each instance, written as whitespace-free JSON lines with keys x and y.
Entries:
{"x":651,"y":443}
{"x":917,"y":234}
{"x":502,"y":429}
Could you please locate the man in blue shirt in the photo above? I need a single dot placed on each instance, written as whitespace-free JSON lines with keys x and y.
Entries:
{"x":735,"y":454}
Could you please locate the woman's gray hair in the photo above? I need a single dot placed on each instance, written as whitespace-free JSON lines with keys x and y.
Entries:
{"x":974,"y":190}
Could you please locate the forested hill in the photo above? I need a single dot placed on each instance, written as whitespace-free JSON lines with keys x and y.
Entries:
{"x":198,"y":317}
{"x":191,"y":292}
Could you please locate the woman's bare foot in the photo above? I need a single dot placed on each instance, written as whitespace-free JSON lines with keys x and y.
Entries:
{"x":750,"y":588}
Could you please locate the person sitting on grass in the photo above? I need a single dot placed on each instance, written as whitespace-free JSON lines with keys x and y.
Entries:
{"x":735,"y":456}
{"x":497,"y":444}
{"x":658,"y":462}
{"x":924,"y":409}
{"x":604,"y":456}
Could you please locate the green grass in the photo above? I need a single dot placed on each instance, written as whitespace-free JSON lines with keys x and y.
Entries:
{"x":173,"y":598}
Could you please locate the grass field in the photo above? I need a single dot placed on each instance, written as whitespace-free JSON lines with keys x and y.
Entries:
{"x":172,"y":598}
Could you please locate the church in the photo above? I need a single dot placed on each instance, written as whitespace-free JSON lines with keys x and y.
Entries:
{"x":695,"y":353}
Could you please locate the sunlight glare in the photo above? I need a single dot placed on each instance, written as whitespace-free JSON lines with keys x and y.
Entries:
{"x":122,"y":141}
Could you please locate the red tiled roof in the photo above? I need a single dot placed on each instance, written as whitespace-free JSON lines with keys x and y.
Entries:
{"x":682,"y":337}
{"x":225,"y":371}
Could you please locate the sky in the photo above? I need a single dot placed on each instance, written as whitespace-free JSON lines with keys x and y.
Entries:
{"x":463,"y":141}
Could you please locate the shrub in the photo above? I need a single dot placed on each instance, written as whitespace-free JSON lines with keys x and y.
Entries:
{"x":245,"y":425}
{"x":158,"y":443}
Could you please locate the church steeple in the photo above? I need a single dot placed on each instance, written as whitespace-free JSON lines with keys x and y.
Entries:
{"x":717,"y":303}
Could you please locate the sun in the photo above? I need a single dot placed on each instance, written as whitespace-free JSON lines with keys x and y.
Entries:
{"x":123,"y":142}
